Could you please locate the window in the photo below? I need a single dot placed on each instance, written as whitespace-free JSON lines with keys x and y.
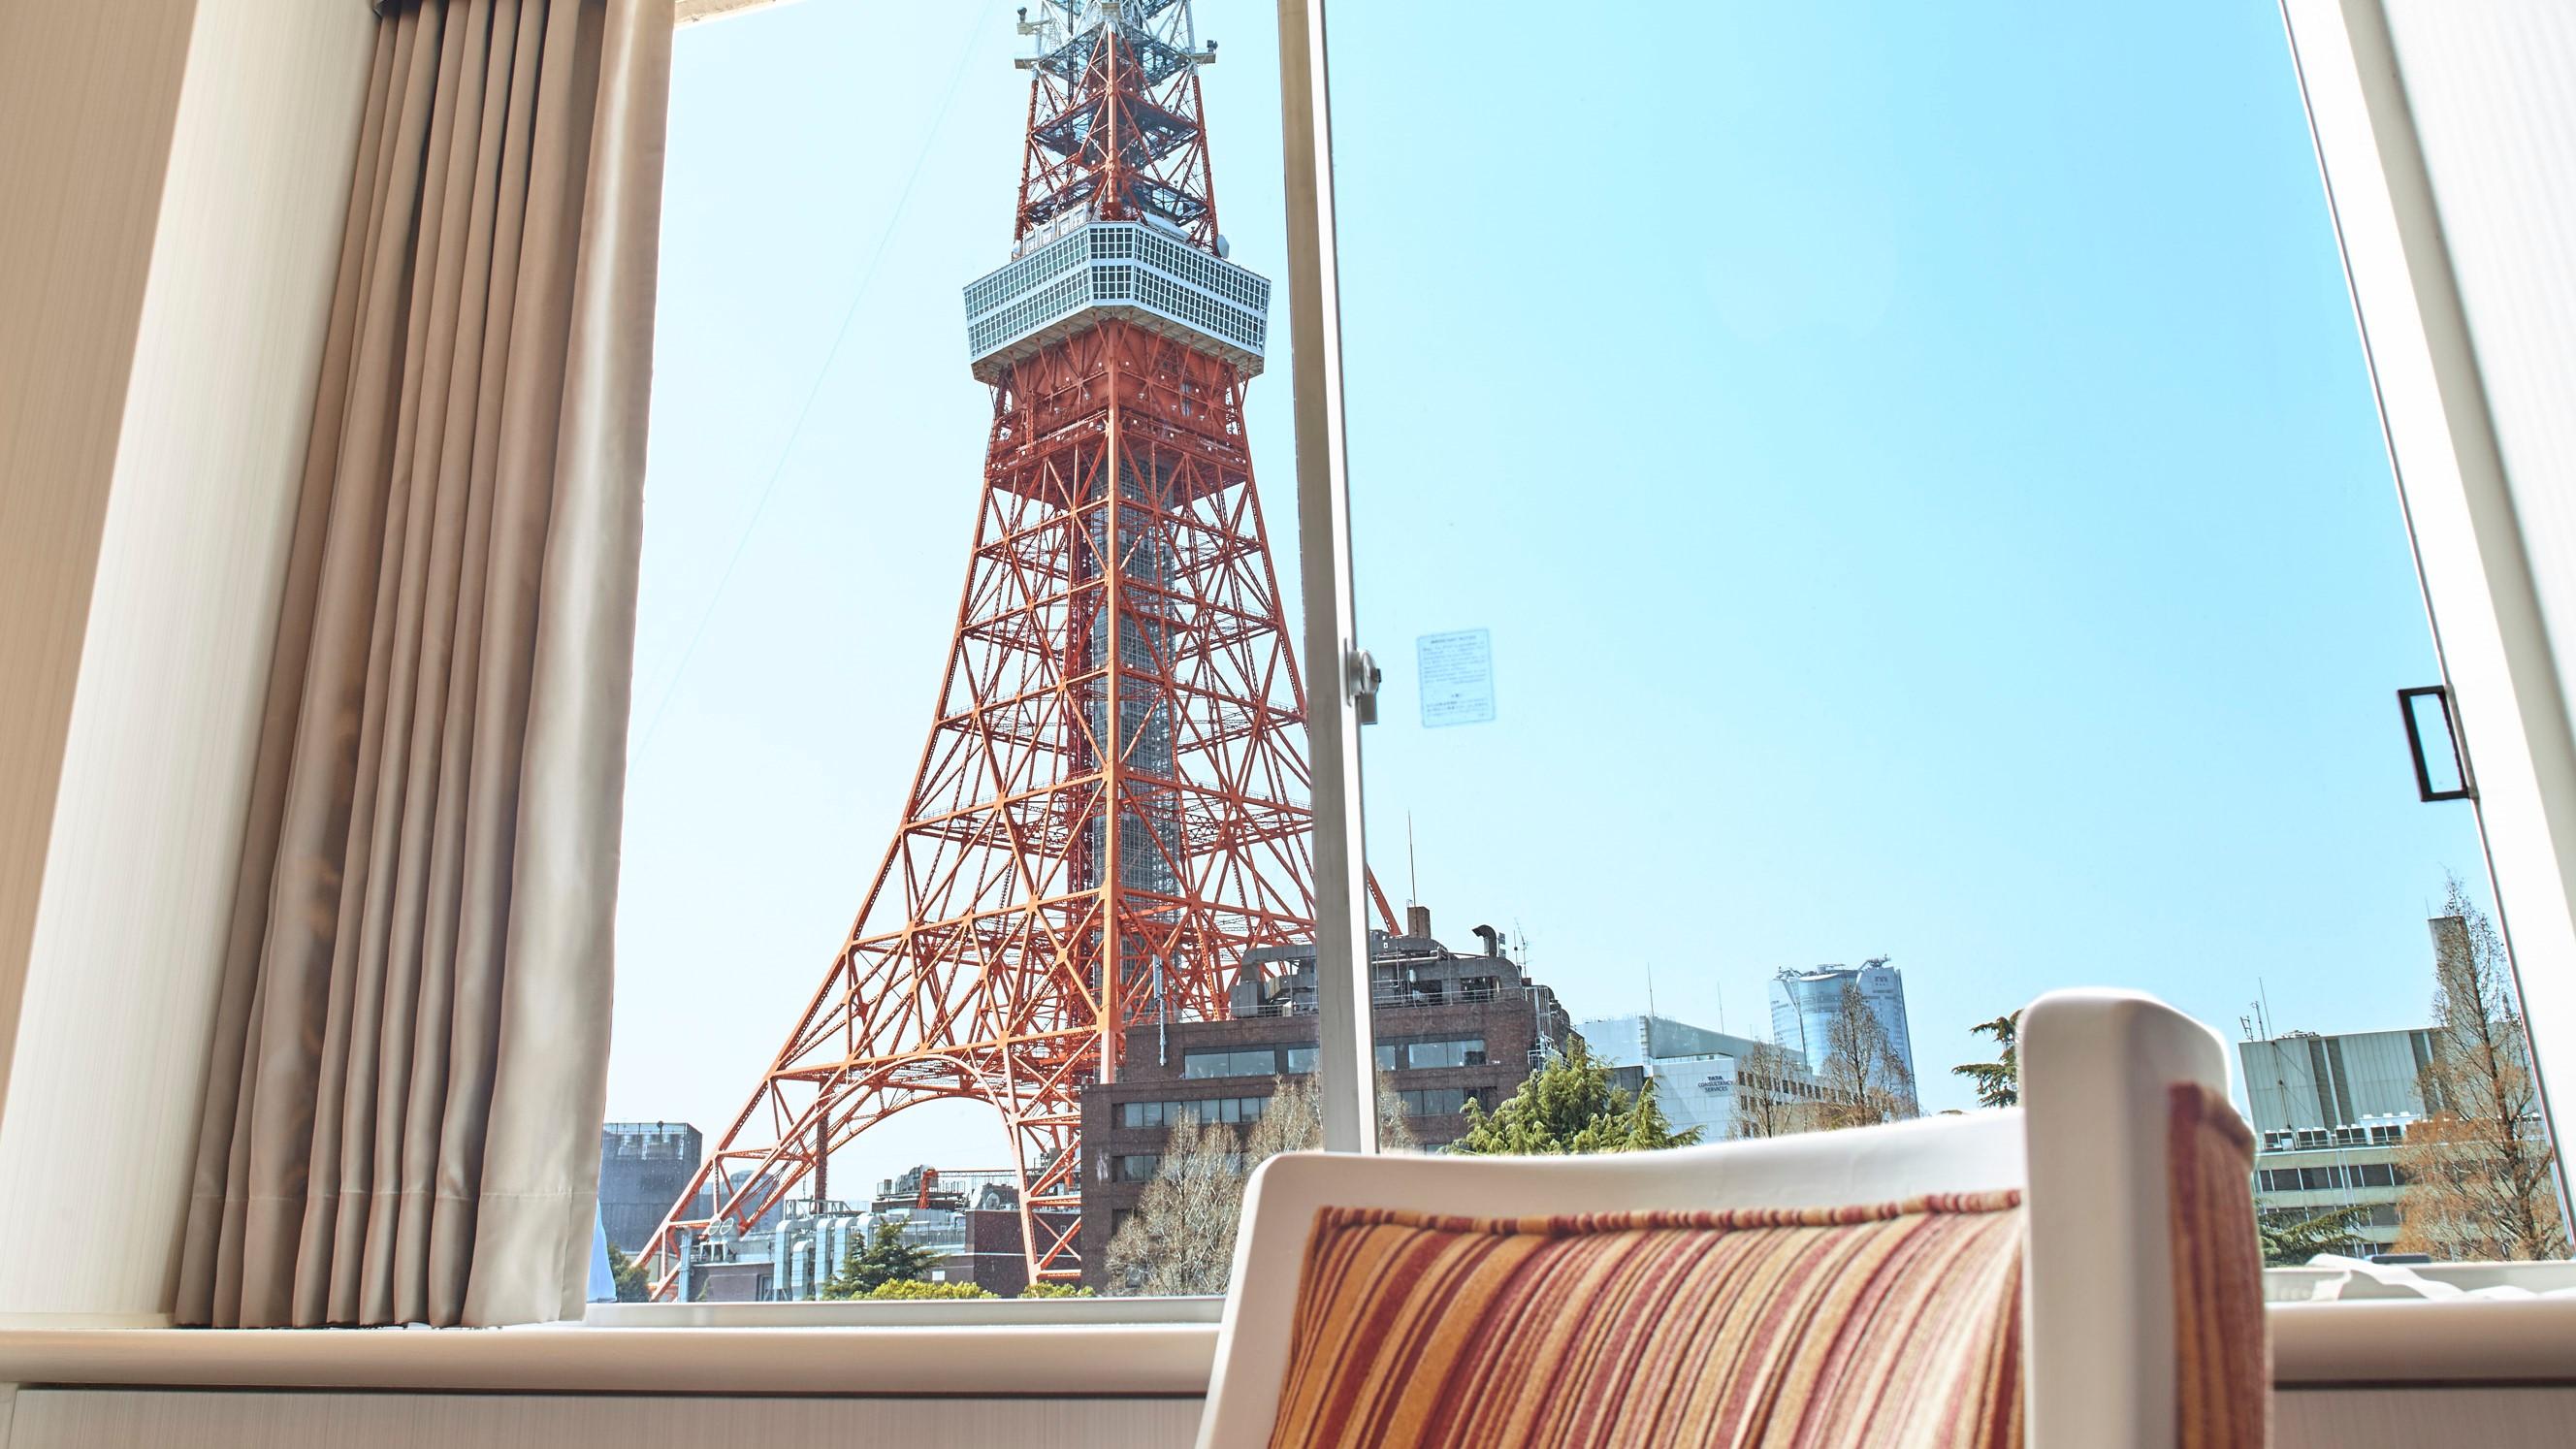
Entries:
{"x":1424,"y":1054}
{"x":1247,"y":1062}
{"x":1229,"y":1110}
{"x":1917,"y":520}
{"x":1819,"y":592}
{"x":1425,"y":1101}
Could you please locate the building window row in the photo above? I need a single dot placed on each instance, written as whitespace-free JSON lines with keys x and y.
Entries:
{"x":2373,"y":1215}
{"x":2330,"y":1178}
{"x":1196,"y":1109}
{"x":1142,"y":1166}
{"x":1777,"y":1088}
{"x":1414,"y":1054}
{"x":1421,"y":1052}
{"x":1438,"y":1101}
{"x":2310,"y":1139}
{"x":1268,"y":1061}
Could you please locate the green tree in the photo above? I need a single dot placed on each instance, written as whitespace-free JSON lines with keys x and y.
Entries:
{"x":631,"y":1284}
{"x":2290,"y":1240}
{"x":880,"y":1258}
{"x":1569,"y":1107}
{"x":911,"y":1288}
{"x":1998,"y":1081}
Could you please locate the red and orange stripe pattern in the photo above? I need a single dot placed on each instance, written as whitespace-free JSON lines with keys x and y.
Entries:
{"x":1894,"y":1326}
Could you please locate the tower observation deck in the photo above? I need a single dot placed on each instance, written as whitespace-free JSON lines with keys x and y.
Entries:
{"x":1109,"y":826}
{"x":1134,"y":272}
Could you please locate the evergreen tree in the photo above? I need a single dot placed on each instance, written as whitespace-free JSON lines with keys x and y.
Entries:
{"x":629,"y":1275}
{"x":1569,"y":1107}
{"x":880,"y":1258}
{"x":1998,"y":1081}
{"x":907,"y":1288}
{"x":2290,"y":1240}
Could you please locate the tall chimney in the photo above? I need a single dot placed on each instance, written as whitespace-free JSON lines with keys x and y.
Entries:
{"x":1417,"y":921}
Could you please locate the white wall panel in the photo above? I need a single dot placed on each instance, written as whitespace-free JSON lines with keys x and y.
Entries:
{"x":88,"y":93}
{"x":155,"y":771}
{"x":90,"y":1419}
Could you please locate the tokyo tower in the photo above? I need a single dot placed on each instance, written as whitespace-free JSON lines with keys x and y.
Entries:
{"x":1112,"y":808}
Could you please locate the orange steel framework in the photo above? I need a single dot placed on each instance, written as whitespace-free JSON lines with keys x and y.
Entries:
{"x":1111,"y":810}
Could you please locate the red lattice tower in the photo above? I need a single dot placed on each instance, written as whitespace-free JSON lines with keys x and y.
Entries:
{"x":1112,"y":809}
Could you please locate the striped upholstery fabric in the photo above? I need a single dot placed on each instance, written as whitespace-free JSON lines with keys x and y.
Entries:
{"x":2222,"y":1347}
{"x":1896,"y":1327}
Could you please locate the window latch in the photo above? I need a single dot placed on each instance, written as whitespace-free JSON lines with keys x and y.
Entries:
{"x":1360,"y":679}
{"x":2445,"y":775}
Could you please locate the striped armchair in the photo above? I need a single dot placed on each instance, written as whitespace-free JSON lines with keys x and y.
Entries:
{"x":2077,"y":1273}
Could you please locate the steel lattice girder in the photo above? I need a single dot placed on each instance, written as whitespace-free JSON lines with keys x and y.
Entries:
{"x":1114,"y":792}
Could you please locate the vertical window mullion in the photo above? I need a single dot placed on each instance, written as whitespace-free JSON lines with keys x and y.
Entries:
{"x":1343,"y":1074}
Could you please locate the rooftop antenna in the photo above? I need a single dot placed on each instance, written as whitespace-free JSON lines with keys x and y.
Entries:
{"x":1650,"y":989}
{"x":1412,"y":877}
{"x":1721,"y":1008}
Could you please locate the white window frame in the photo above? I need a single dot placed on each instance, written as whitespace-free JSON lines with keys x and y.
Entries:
{"x":2480,"y":592}
{"x":1336,"y":668}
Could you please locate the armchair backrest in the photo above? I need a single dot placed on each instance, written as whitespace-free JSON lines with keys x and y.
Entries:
{"x":2090,"y":1149}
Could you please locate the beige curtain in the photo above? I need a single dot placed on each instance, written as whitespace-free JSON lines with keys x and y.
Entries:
{"x":402,"y":1110}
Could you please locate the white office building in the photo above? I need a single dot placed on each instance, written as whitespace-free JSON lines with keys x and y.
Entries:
{"x":1694,"y":1069}
{"x":2329,"y":1115}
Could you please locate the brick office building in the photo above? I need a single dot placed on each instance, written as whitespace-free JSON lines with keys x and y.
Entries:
{"x":1449,"y":1028}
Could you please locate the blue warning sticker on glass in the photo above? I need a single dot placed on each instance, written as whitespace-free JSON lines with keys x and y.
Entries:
{"x":1454,"y":673}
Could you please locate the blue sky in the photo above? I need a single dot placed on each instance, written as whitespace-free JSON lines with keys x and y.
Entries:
{"x":1915,"y":463}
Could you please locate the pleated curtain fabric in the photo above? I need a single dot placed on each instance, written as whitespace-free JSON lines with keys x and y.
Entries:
{"x":411,"y":1047}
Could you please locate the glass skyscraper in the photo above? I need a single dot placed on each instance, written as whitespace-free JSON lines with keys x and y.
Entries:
{"x":1806,"y":1004}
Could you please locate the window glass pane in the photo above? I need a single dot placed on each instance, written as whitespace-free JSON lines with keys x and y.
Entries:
{"x":888,"y":500}
{"x":1930,"y":541}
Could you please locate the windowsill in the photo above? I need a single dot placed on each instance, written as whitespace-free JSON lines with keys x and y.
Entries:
{"x":2424,"y":1342}
{"x":2314,"y":1346}
{"x":944,"y":1313}
{"x":1039,"y":1360}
